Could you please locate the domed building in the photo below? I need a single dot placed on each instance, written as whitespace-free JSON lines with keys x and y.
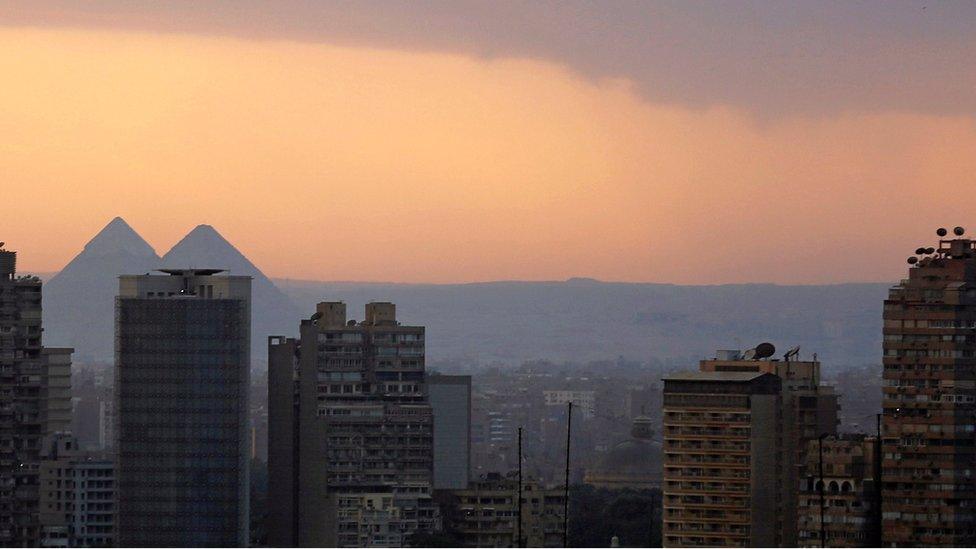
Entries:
{"x":631,"y":463}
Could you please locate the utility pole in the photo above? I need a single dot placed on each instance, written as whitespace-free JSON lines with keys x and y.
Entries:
{"x":518,"y":539}
{"x":877,"y":488}
{"x":569,"y":429}
{"x":823,"y":506}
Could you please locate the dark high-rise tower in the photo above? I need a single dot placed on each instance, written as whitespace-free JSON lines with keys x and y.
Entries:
{"x":929,"y":467}
{"x":35,"y":401}
{"x":350,"y":457}
{"x":182,"y":364}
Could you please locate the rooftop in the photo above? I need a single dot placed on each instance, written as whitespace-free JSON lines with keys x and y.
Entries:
{"x":715,"y":376}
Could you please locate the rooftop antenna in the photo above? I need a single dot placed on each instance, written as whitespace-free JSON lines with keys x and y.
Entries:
{"x":792,"y":353}
{"x":519,"y":522}
{"x":569,"y":425}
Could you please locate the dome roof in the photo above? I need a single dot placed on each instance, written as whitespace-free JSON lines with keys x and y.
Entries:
{"x":632,"y":456}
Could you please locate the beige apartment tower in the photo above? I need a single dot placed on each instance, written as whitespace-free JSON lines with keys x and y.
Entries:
{"x":735,"y":443}
{"x":723,"y":459}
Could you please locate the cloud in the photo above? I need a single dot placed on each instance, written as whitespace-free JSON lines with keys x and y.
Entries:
{"x":334,"y":162}
{"x":767,"y":59}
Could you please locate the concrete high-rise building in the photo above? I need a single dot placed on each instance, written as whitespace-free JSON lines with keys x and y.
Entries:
{"x":77,"y":502}
{"x":696,"y":434}
{"x":450,"y":400}
{"x":723,"y":464}
{"x":350,"y":453}
{"x":182,"y":363}
{"x":849,"y":494}
{"x":929,"y":461}
{"x":35,"y":401}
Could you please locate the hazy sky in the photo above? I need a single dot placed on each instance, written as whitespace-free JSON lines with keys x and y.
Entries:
{"x":463,"y":141}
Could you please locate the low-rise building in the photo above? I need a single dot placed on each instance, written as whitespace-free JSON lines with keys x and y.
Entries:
{"x":77,"y":495}
{"x":849,"y":498}
{"x":485,"y":514}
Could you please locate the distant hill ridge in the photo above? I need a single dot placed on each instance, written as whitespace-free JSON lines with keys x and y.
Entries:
{"x":504,"y":322}
{"x":584,"y":319}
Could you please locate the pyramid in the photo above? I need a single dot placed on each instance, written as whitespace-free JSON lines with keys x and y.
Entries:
{"x":272,"y":312}
{"x":79,"y":302}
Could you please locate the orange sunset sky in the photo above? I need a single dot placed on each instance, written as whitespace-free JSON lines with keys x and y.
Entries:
{"x":438,"y":150}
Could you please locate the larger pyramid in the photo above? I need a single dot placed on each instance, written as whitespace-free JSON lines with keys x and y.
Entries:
{"x":79,"y":302}
{"x":272,"y":312}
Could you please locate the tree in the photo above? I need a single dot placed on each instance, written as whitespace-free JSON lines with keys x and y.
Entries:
{"x":598,"y":514}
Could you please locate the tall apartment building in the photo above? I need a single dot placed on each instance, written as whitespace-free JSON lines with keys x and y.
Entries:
{"x":182,"y":369}
{"x":485,"y":513}
{"x":805,"y":410}
{"x":723,"y":459}
{"x":350,"y":431}
{"x":929,"y":488}
{"x":35,"y":401}
{"x":450,"y":400}
{"x":77,"y":501}
{"x":847,"y":494}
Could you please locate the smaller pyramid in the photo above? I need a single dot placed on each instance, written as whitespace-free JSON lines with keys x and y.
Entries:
{"x":272,"y":312}
{"x":204,"y":247}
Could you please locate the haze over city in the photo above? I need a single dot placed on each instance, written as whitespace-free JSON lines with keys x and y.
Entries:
{"x":379,"y":273}
{"x":458,"y":142}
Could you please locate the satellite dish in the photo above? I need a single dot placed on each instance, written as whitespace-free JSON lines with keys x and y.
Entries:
{"x":749,"y":354}
{"x":959,"y":231}
{"x":1,"y":244}
{"x":317,"y":315}
{"x":912,"y":260}
{"x":941,"y":231}
{"x":794,"y":351}
{"x":764,"y":350}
